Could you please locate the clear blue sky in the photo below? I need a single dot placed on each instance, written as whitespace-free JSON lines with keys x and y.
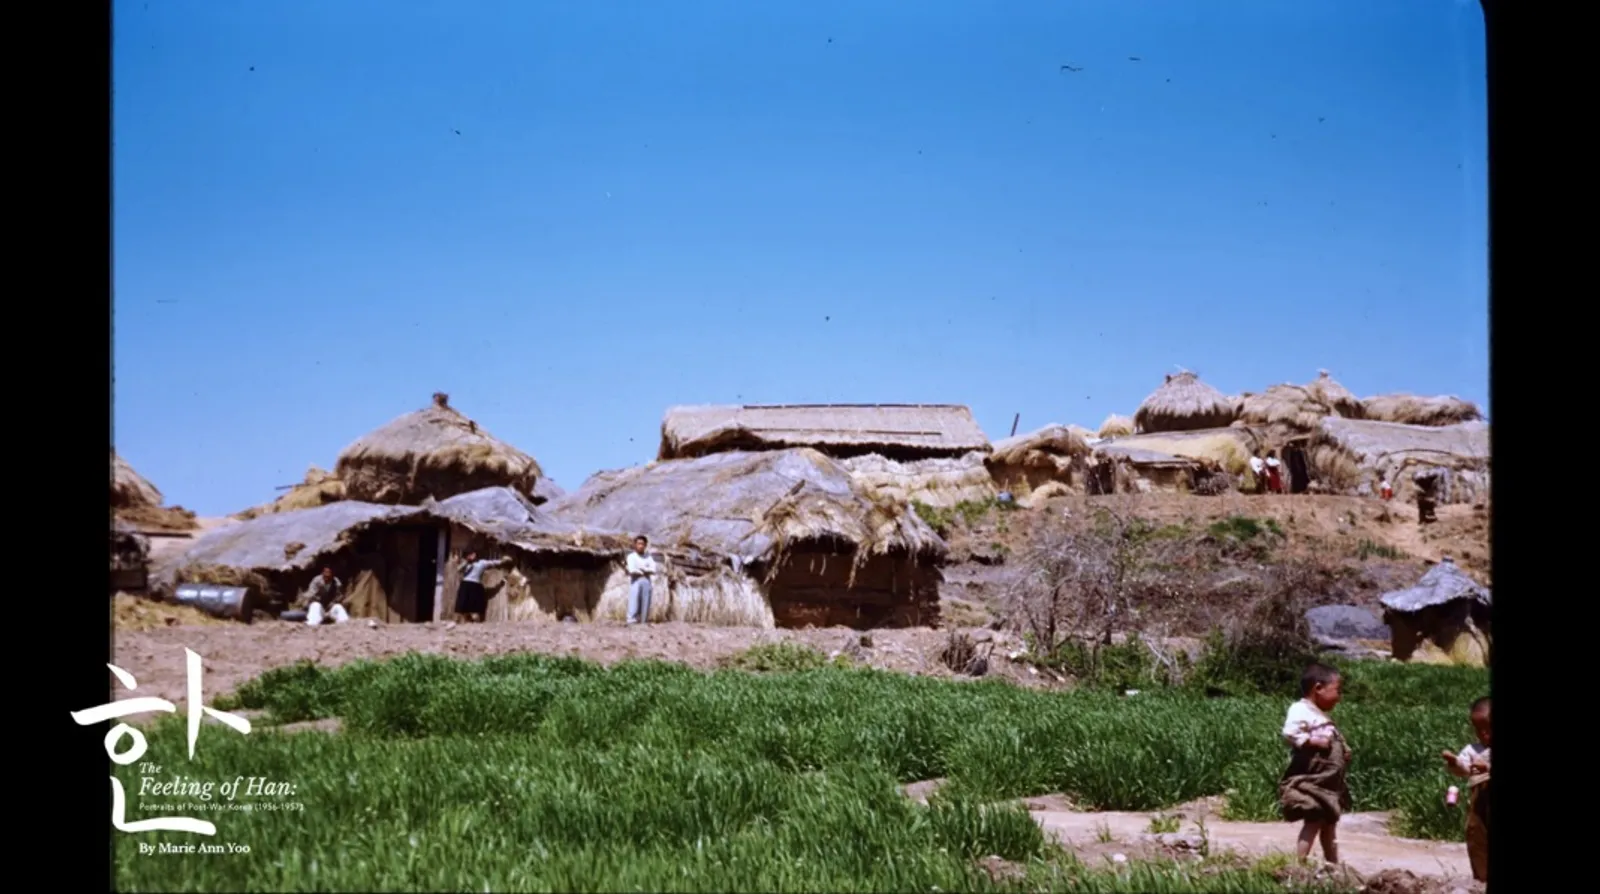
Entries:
{"x":572,"y":215}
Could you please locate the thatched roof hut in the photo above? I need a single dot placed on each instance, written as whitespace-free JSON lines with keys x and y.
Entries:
{"x":319,"y":488}
{"x":1121,"y":468}
{"x":1446,"y":608}
{"x":137,"y":502}
{"x":1228,"y":449}
{"x":1354,"y":455}
{"x":1289,"y":408}
{"x":1116,"y":427}
{"x":1184,"y":403}
{"x":797,"y":524}
{"x":1409,"y":409}
{"x":937,"y":482}
{"x":1054,"y":453}
{"x":1337,"y":398}
{"x":434,"y":452}
{"x":901,"y":432}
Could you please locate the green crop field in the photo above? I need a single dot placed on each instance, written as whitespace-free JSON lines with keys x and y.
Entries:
{"x":538,"y":773}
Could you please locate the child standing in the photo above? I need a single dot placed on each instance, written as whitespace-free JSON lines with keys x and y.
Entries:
{"x":1472,"y":764}
{"x":1313,"y":790}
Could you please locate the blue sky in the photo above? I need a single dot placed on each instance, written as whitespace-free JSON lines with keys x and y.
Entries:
{"x":572,"y":215}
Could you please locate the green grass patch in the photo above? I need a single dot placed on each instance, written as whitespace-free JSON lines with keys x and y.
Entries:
{"x":536,"y":773}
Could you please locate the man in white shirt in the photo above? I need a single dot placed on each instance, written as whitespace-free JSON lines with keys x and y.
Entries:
{"x":640,"y":568}
{"x":323,"y":599}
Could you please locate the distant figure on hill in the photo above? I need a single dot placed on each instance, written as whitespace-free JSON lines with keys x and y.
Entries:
{"x":1472,"y":764}
{"x":1274,"y":472}
{"x":1386,"y":490}
{"x":640,"y":567}
{"x":1427,"y":495}
{"x":1313,"y":790}
{"x":471,"y":600}
{"x":324,"y":598}
{"x":1258,"y":474}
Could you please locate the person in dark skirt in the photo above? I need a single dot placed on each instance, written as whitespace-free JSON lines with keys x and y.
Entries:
{"x":1313,"y":790}
{"x":471,"y":600}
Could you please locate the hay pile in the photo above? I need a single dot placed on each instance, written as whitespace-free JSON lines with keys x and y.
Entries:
{"x":1336,"y":397}
{"x":319,"y":488}
{"x":1023,"y":463}
{"x":434,"y":452}
{"x":137,"y":502}
{"x":1409,"y":409}
{"x":1184,"y":403}
{"x":132,"y":613}
{"x":1116,"y":427}
{"x":936,"y":482}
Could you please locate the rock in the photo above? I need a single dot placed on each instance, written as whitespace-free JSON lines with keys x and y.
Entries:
{"x":1180,"y":842}
{"x":1345,"y":622}
{"x":982,"y":635}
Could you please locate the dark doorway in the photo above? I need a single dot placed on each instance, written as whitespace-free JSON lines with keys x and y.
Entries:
{"x":1299,"y":473}
{"x":427,"y":571}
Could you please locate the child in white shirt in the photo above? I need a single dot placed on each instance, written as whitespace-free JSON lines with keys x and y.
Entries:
{"x":1313,"y":790}
{"x":1472,"y":764}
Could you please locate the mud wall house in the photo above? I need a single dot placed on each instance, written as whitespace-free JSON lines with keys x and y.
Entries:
{"x":435,"y":453}
{"x":778,"y":537}
{"x":1353,"y":456}
{"x":1119,"y":468}
{"x":928,"y":453}
{"x":1447,"y":610}
{"x":1053,"y":459}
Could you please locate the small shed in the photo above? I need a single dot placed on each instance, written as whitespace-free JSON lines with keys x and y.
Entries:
{"x":1353,"y":456}
{"x":1446,"y":609}
{"x":785,"y":538}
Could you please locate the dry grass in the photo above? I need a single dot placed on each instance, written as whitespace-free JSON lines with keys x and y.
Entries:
{"x":1184,"y":403}
{"x":1228,"y":448}
{"x":719,"y":599}
{"x":129,"y":612}
{"x":935,"y":482}
{"x":319,"y":488}
{"x":129,"y":489}
{"x":1327,"y":390}
{"x":1116,"y":427}
{"x":1288,"y":406}
{"x":1409,"y":409}
{"x":1023,"y":463}
{"x":901,"y":431}
{"x":434,"y":452}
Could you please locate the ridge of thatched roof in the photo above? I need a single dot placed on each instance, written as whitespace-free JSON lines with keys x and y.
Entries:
{"x":1293,"y":407}
{"x":1409,"y":409}
{"x":1115,"y":427}
{"x":1139,"y":456}
{"x":1337,"y":398}
{"x":1443,"y":583}
{"x":319,"y":488}
{"x":1051,"y":440}
{"x":1229,"y":448}
{"x":903,"y":431}
{"x":1370,"y":442}
{"x":511,"y":518}
{"x":751,"y":505}
{"x":433,"y":452}
{"x":1184,"y":403}
{"x":129,"y":489}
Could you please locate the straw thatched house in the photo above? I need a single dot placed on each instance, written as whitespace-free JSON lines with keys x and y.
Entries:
{"x":1285,"y":409}
{"x":138,"y":503}
{"x":1446,"y":609}
{"x":1337,"y":398}
{"x":1352,"y":456}
{"x":926,"y":453}
{"x":436,"y":453}
{"x":391,"y":557}
{"x":1184,"y":403}
{"x":784,"y":538}
{"x":1409,"y":409}
{"x":1053,"y":454}
{"x":1120,"y":468}
{"x":1115,"y":427}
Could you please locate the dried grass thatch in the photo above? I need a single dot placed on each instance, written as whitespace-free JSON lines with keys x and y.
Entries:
{"x":1409,"y":409}
{"x":1051,"y":454}
{"x":935,"y":482}
{"x":137,"y":502}
{"x":1184,"y":403}
{"x":753,"y":506}
{"x":1116,"y":427}
{"x":897,"y":431}
{"x":1288,"y":408}
{"x":1352,"y":456}
{"x":284,"y":543}
{"x":319,"y":488}
{"x":1228,"y":449}
{"x":1335,"y":396}
{"x":434,"y":453}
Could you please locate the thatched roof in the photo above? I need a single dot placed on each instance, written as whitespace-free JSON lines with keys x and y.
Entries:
{"x":1293,"y":407}
{"x":1337,"y":398}
{"x":1033,"y":448}
{"x":1116,"y":427}
{"x":1139,"y":457}
{"x":1443,"y":583}
{"x":434,"y":452}
{"x":1184,"y":403}
{"x":319,"y":488}
{"x":130,"y":489}
{"x":1382,"y":442}
{"x":507,"y":517}
{"x":751,"y":505}
{"x":1409,"y":409}
{"x":899,"y":431}
{"x":268,"y":542}
{"x":939,"y":481}
{"x":1229,"y":448}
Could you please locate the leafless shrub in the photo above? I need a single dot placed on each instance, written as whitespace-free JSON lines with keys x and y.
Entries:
{"x":964,"y":654}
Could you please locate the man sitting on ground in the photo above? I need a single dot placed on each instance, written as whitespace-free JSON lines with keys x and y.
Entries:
{"x":325,"y":598}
